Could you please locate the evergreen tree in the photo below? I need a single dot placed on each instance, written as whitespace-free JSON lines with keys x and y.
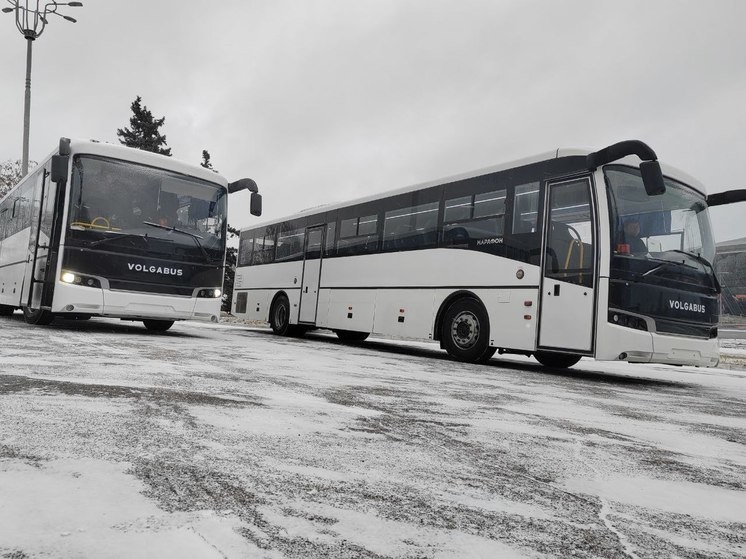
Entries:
{"x":206,"y":163}
{"x":231,"y":253}
{"x":144,"y":133}
{"x":10,"y":174}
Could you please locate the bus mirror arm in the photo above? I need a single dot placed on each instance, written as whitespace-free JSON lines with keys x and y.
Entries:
{"x":728,"y":197}
{"x":652,"y":177}
{"x":242,"y":184}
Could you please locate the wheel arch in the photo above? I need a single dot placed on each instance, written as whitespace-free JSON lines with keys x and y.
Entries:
{"x":447,"y":302}
{"x":276,"y":296}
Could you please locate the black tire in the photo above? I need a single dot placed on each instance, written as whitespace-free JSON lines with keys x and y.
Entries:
{"x":487,"y":355}
{"x":465,"y":331}
{"x":39,"y":317}
{"x":158,"y":325}
{"x":6,"y":310}
{"x":350,"y":336}
{"x":279,"y":316}
{"x":556,"y":360}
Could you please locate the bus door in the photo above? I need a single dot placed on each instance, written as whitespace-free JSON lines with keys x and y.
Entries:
{"x":569,"y":271}
{"x":37,"y":274}
{"x":309,"y":295}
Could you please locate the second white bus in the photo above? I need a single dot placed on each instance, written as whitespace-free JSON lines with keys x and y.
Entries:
{"x":534,"y":257}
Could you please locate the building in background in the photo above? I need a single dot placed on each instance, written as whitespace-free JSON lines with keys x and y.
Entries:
{"x":730,"y":263}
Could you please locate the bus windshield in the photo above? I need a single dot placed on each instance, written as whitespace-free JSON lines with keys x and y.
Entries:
{"x":670,"y":226}
{"x":124,"y":207}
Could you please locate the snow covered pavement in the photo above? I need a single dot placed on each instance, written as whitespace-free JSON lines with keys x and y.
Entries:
{"x":225,"y":441}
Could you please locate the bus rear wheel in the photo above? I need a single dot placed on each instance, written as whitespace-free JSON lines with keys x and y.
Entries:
{"x":158,"y":325}
{"x":40,"y":317}
{"x":279,"y":316}
{"x":350,"y":336}
{"x":6,"y":310}
{"x":465,"y":331}
{"x":556,"y":360}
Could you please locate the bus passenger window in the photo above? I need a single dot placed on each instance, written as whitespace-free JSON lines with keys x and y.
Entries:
{"x":331,"y":229}
{"x":290,"y":245}
{"x":244,"y":249}
{"x":526,"y":208}
{"x":411,"y":227}
{"x":475,"y":222}
{"x":358,"y":235}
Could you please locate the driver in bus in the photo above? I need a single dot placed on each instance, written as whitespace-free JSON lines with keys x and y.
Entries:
{"x":632,"y":237}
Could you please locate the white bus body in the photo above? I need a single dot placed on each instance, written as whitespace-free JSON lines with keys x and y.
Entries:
{"x":105,"y":230}
{"x":525,"y":258}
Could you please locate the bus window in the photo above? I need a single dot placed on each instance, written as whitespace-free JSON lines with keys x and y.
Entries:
{"x":358,"y":235}
{"x":244,"y":249}
{"x":264,"y":247}
{"x":331,"y":229}
{"x":570,"y":248}
{"x":411,"y":227}
{"x":526,"y":208}
{"x":475,"y":221}
{"x":290,"y":245}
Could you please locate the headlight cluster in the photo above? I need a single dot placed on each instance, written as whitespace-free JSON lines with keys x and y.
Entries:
{"x":209,"y":293}
{"x":621,"y":319}
{"x":77,"y":279}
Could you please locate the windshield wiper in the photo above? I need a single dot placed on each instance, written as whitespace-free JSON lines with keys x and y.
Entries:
{"x":192,"y":235}
{"x":118,"y":236}
{"x":702,"y":260}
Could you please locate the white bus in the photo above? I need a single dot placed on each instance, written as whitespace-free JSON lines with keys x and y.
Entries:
{"x":105,"y":230}
{"x":534,"y":257}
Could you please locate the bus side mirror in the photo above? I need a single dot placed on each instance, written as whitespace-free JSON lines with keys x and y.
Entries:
{"x":256,"y":204}
{"x":652,"y":178}
{"x":60,"y":164}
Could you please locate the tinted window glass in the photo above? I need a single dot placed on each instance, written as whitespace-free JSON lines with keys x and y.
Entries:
{"x":526,"y":208}
{"x":411,"y":227}
{"x":244,"y":249}
{"x":290,"y":245}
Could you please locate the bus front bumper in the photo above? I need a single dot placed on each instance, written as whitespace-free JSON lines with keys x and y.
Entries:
{"x":75,"y":299}
{"x":618,"y":343}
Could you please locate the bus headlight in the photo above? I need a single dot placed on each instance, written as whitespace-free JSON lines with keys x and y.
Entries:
{"x":209,"y":293}
{"x":628,"y":321}
{"x":77,"y":279}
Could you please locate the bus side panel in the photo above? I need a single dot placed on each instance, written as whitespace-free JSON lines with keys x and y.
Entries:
{"x":254,"y":281}
{"x":513,"y":316}
{"x":408,"y":313}
{"x":12,"y":267}
{"x":352,"y":309}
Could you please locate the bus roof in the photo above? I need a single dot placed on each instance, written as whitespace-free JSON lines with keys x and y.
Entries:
{"x":555,"y":154}
{"x":104,"y":149}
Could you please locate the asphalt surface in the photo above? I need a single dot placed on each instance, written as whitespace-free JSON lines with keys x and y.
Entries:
{"x":313,"y":448}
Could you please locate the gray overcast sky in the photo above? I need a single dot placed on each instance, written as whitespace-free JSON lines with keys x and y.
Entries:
{"x":325,"y":100}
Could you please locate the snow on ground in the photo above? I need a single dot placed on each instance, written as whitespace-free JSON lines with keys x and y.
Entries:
{"x":226,"y":441}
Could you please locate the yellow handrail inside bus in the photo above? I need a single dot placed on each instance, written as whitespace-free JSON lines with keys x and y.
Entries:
{"x":96,"y":223}
{"x":581,"y":249}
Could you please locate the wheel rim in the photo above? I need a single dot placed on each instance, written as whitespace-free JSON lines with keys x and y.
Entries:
{"x":465,"y":330}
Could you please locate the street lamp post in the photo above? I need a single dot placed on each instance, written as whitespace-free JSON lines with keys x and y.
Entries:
{"x":31,"y":19}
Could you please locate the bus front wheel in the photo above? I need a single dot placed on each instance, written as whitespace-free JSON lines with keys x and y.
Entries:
{"x":350,"y":336}
{"x":279,"y":316}
{"x":158,"y":325}
{"x":40,"y":317}
{"x":556,"y":360}
{"x":465,"y":331}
